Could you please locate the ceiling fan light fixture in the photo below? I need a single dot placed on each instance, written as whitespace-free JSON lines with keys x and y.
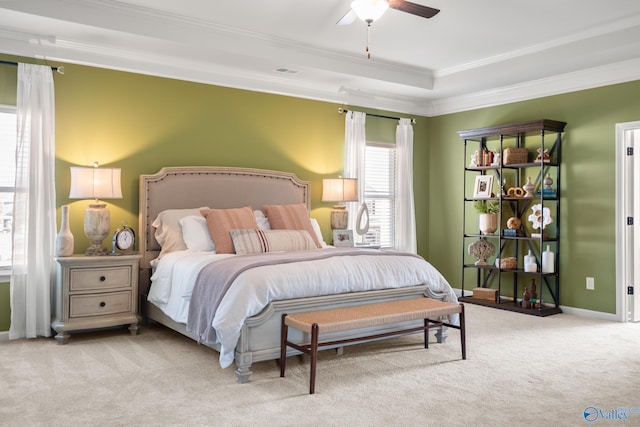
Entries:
{"x":369,"y":10}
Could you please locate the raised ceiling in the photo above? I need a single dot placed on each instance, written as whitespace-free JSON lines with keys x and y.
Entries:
{"x":472,"y":54}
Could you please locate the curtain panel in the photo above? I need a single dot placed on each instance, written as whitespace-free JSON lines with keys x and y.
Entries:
{"x":34,"y":208}
{"x":355,"y":142}
{"x":405,"y":220}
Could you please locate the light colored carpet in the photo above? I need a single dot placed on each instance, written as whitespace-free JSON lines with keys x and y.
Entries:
{"x":520,"y":370}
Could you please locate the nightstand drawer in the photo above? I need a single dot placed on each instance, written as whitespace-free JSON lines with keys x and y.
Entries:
{"x":100,"y":304}
{"x":100,"y":278}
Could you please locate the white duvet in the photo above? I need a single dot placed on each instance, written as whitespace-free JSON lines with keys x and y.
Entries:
{"x":176,"y":273}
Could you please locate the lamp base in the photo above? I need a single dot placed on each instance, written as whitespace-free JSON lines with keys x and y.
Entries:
{"x":97,"y":224}
{"x":339,"y":217}
{"x":96,"y":249}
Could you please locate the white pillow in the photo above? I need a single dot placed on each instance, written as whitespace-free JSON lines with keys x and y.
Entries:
{"x":168,"y":231}
{"x":195,"y":233}
{"x":316,"y":229}
{"x":261,"y":219}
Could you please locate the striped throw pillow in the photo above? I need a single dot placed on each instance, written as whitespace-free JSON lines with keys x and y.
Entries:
{"x":261,"y":241}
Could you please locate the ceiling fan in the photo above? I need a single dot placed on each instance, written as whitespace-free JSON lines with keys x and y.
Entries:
{"x":372,"y":10}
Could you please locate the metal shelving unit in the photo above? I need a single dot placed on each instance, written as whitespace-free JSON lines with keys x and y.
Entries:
{"x":510,"y":283}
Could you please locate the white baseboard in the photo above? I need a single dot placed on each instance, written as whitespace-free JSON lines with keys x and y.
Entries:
{"x":4,"y":336}
{"x":581,"y":312}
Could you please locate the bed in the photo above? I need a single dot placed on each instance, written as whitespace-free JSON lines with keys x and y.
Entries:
{"x":256,"y":333}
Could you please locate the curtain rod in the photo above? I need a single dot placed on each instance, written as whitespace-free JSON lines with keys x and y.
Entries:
{"x":343,"y":110}
{"x":57,"y":69}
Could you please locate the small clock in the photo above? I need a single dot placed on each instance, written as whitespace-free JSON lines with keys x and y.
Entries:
{"x":123,"y":239}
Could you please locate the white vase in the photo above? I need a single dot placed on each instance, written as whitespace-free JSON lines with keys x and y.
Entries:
{"x":488,"y":223}
{"x":530,"y":265}
{"x":548,"y":261}
{"x":64,"y":239}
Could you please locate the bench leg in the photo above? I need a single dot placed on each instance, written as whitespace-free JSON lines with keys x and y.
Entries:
{"x":314,"y":358}
{"x":426,"y":333}
{"x":284,"y":330}
{"x":463,"y":338}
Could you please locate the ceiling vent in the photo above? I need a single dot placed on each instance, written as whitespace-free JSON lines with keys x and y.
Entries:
{"x":287,"y":71}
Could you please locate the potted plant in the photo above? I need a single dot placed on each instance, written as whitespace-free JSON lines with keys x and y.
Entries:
{"x":488,"y":219}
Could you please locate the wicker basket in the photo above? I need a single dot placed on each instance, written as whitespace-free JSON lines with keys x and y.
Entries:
{"x":512,"y":156}
{"x":509,"y":263}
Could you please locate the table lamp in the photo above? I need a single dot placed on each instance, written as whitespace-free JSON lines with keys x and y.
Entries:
{"x":339,"y":190}
{"x":96,"y":183}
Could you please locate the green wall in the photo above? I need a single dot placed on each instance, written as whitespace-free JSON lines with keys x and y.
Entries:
{"x":587,"y":176}
{"x":141,"y":123}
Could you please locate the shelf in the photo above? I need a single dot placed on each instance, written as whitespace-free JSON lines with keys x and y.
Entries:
{"x":511,"y":166}
{"x":497,"y":236}
{"x":513,"y":129}
{"x":529,"y":199}
{"x":507,"y":270}
{"x":510,"y":305}
{"x":534,"y":136}
{"x":546,"y":239}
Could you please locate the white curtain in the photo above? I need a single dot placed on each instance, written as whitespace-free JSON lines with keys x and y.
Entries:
{"x":34,"y":208}
{"x":405,"y":210}
{"x":355,"y":142}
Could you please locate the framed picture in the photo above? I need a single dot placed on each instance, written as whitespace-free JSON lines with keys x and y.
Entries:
{"x":483,"y":187}
{"x":342,"y":238}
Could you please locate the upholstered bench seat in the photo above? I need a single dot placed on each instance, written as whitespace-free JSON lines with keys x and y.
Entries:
{"x":365,"y":316}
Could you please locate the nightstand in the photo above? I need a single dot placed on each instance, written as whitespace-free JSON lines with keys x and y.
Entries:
{"x":95,"y":292}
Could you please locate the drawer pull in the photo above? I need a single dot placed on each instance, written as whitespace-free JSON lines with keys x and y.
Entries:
{"x":102,"y":278}
{"x":102,"y":304}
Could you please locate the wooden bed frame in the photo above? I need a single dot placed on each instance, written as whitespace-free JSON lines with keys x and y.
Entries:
{"x":228,"y":187}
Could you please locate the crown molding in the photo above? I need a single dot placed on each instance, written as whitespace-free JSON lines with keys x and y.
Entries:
{"x":620,"y":72}
{"x":201,"y":71}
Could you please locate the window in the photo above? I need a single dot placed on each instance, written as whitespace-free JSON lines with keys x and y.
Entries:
{"x":7,"y":181}
{"x":380,"y":193}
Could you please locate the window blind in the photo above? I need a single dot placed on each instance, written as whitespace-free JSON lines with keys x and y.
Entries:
{"x":379,"y":193}
{"x":8,"y":138}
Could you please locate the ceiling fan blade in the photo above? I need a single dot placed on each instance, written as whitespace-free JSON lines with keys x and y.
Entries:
{"x":413,"y":8}
{"x":348,"y":18}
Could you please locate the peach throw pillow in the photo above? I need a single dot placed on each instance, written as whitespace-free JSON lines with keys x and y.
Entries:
{"x":290,"y":217}
{"x":221,"y":221}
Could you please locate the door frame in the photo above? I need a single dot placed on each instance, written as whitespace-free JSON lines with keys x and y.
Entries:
{"x":624,"y":235}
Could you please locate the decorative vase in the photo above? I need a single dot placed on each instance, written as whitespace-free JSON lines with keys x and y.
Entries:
{"x":548,"y":261}
{"x":526,"y":297}
{"x":488,"y":223}
{"x":64,"y":239}
{"x":528,"y":188}
{"x":530,"y":265}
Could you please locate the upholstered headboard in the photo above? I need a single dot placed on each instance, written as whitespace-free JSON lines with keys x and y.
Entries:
{"x":213,"y":186}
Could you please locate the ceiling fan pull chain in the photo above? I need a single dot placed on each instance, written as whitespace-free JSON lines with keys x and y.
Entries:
{"x":366,"y":49}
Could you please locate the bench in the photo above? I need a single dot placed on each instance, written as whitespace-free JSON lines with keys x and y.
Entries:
{"x":364,"y":316}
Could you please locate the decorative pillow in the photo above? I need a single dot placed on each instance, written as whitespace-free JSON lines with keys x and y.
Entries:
{"x":168,"y":231}
{"x":318,"y":232}
{"x":290,"y":217}
{"x":220,"y":221}
{"x":195,"y":233}
{"x":260,"y":241}
{"x":263,"y":222}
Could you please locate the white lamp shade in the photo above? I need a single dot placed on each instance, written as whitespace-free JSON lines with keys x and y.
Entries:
{"x":340,"y":190}
{"x":369,"y":10}
{"x":95,"y":183}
